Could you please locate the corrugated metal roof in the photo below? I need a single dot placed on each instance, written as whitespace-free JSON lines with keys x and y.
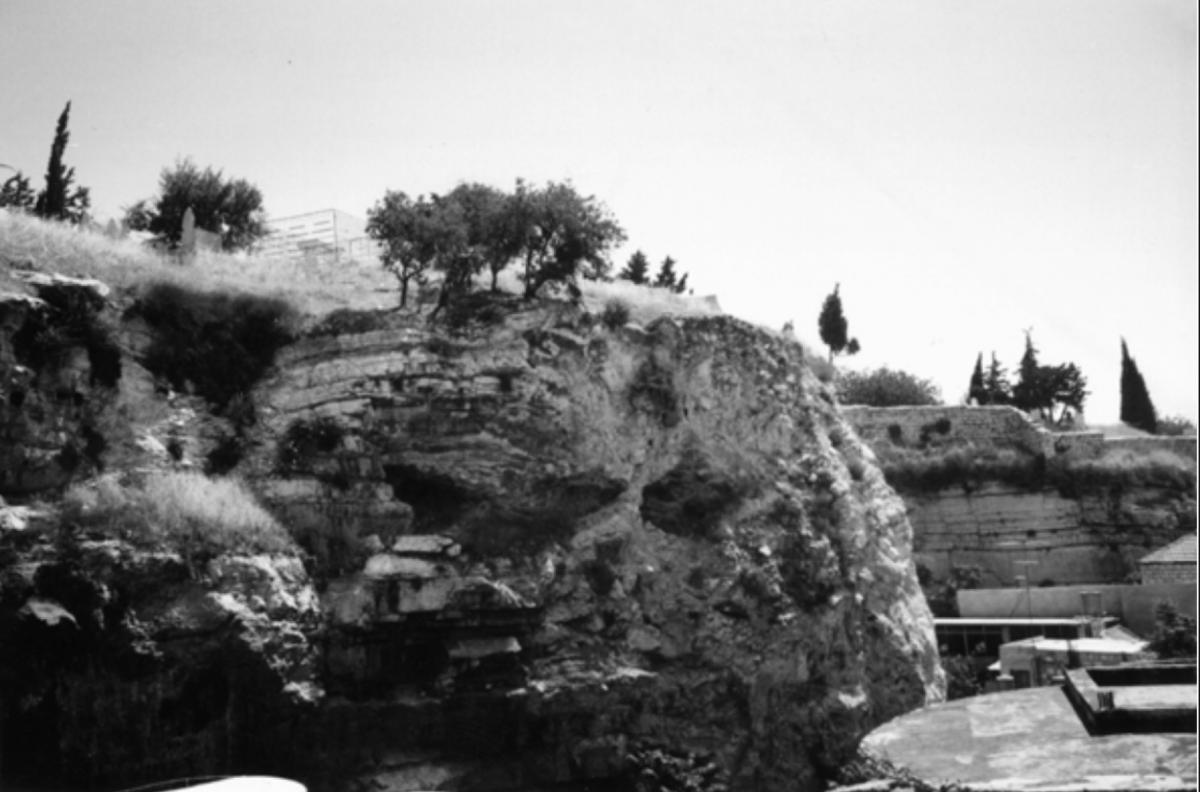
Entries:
{"x":1181,"y":551}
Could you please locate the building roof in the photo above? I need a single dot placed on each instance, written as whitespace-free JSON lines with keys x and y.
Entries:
{"x":1020,"y":621}
{"x":1085,"y":645}
{"x":1181,"y":551}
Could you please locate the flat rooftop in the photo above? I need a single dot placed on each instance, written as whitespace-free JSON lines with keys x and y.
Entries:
{"x":1030,"y":739}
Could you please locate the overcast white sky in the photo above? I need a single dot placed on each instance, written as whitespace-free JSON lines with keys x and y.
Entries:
{"x":965,"y":170}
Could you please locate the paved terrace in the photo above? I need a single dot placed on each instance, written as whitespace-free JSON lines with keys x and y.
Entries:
{"x":1030,"y":740}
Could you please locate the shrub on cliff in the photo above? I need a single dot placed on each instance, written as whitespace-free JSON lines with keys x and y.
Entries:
{"x":191,"y":513}
{"x":229,"y":207}
{"x":884,"y":387}
{"x":215,"y":344}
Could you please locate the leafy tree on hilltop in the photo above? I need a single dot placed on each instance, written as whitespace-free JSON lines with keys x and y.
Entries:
{"x":416,"y":235}
{"x":637,"y":269}
{"x":1136,"y":408}
{"x":886,"y":387}
{"x":975,"y":391}
{"x":491,"y":231}
{"x":668,"y":279}
{"x":833,"y":326}
{"x":16,"y":193}
{"x":230,"y":207}
{"x":1043,"y":389}
{"x":563,"y":235}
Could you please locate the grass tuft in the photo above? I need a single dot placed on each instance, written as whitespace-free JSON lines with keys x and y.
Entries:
{"x":191,"y":513}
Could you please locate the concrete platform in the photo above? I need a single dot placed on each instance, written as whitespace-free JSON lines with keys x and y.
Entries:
{"x":1030,"y":740}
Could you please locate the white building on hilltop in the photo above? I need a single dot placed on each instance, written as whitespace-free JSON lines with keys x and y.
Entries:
{"x":327,"y":236}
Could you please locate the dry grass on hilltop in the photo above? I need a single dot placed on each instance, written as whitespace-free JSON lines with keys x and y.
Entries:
{"x":186,"y":511}
{"x":313,"y":289}
{"x":128,"y":265}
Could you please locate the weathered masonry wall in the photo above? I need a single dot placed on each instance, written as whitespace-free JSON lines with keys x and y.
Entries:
{"x":1007,"y":531}
{"x":1133,"y":604}
{"x":1096,"y":535}
{"x":999,"y":425}
{"x":1005,"y":427}
{"x":1169,"y":573}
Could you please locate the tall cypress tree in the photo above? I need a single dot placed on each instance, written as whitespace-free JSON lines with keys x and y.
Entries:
{"x":996,"y":387}
{"x":834,"y":327}
{"x":975,"y":392}
{"x":1136,"y":408}
{"x":52,"y":201}
{"x":1027,"y":393}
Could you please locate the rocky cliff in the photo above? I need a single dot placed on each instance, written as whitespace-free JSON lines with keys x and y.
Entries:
{"x":549,"y":552}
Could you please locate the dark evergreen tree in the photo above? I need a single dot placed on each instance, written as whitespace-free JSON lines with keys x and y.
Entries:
{"x":1027,"y":393}
{"x":833,"y":325}
{"x":637,"y":269}
{"x":52,"y":201}
{"x":976,"y":394}
{"x":996,"y":387}
{"x":16,"y":193}
{"x":1136,"y":408}
{"x":667,"y":278}
{"x":1041,"y":389}
{"x":57,"y":200}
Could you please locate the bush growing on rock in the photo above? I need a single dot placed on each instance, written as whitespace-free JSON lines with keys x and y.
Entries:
{"x":215,"y":344}
{"x":616,"y":314}
{"x":191,"y":513}
{"x":653,"y":391}
{"x":884,"y":387}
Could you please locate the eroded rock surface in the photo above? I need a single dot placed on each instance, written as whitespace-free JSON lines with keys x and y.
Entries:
{"x":701,"y":558}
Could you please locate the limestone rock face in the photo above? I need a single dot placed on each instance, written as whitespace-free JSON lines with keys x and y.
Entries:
{"x":1097,"y":535}
{"x":671,"y":527}
{"x":131,"y":667}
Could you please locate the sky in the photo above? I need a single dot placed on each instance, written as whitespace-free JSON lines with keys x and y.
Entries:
{"x":965,"y":170}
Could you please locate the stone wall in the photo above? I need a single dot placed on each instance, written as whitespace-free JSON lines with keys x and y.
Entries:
{"x":1169,"y":573}
{"x":1093,"y":537}
{"x":1133,"y":604}
{"x":1000,"y":426}
{"x":1005,"y":426}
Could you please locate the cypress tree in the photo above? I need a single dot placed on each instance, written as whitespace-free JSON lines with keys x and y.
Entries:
{"x":997,"y":389}
{"x":975,"y":392}
{"x":1027,"y":392}
{"x":833,"y":326}
{"x":1136,"y":408}
{"x":637,"y":270}
{"x":52,"y":201}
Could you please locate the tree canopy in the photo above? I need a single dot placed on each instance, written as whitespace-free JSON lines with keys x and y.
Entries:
{"x":1136,"y":408}
{"x":60,"y":199}
{"x":637,"y":269}
{"x":416,"y":235}
{"x":232,"y":208}
{"x":834,"y":327}
{"x":555,"y":233}
{"x":885,"y":387}
{"x":667,"y":278}
{"x":1050,"y":391}
{"x":563,"y":235}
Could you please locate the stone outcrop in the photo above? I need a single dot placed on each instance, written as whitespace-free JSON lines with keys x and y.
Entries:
{"x":1096,"y":536}
{"x":129,"y":667}
{"x":671,"y":540}
{"x":545,"y":552}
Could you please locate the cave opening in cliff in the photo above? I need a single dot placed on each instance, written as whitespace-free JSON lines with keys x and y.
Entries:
{"x":437,"y":500}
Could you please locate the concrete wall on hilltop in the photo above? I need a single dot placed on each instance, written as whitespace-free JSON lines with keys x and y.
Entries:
{"x":1002,"y":426}
{"x":1133,"y":604}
